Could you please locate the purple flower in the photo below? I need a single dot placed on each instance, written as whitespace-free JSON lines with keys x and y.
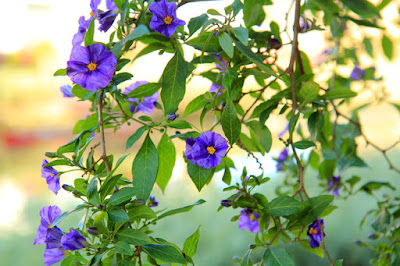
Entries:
{"x":207,"y":150}
{"x":53,"y":238}
{"x":67,"y":91}
{"x":274,"y":44}
{"x":48,"y":215}
{"x":73,"y":240}
{"x":111,"y":5}
{"x":54,"y":255}
{"x":357,"y":73}
{"x":314,"y":233}
{"x":249,"y":219}
{"x":164,"y":18}
{"x":171,"y":117}
{"x":281,"y":159}
{"x":222,"y":65}
{"x":305,"y":24}
{"x":84,"y":24}
{"x":280,"y":135}
{"x":152,"y":202}
{"x":106,"y":19}
{"x":334,"y":185}
{"x":93,"y":231}
{"x":52,"y":177}
{"x":91,"y":67}
{"x":148,"y":103}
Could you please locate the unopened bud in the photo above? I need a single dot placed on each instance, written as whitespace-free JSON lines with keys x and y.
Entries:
{"x":172,"y":117}
{"x":68,"y":187}
{"x":93,"y":230}
{"x":226,"y":203}
{"x":51,"y":154}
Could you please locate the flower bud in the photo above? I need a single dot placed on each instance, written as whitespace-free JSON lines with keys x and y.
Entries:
{"x":68,"y":187}
{"x":100,"y":206}
{"x":274,"y":44}
{"x":226,"y":203}
{"x":51,"y":154}
{"x":93,"y":230}
{"x":172,"y":117}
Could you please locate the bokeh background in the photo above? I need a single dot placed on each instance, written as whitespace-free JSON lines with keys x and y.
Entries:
{"x":35,"y":118}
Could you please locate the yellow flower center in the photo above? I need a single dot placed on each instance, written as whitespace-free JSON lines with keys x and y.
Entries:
{"x":92,"y":66}
{"x":313,"y":231}
{"x":211,"y":150}
{"x":52,"y":175}
{"x":91,"y":14}
{"x":253,"y":217}
{"x":168,"y":20}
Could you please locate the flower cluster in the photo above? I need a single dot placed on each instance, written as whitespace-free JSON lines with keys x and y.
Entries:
{"x":57,"y":244}
{"x":52,"y":177}
{"x":207,"y":150}
{"x":314,"y":232}
{"x":249,"y":219}
{"x":147,"y":105}
{"x":164,"y":18}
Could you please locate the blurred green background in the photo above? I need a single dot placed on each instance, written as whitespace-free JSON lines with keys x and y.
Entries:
{"x":35,"y":118}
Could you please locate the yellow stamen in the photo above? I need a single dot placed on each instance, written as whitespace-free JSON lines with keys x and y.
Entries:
{"x":252,"y":217}
{"x":168,"y":20}
{"x":211,"y":150}
{"x":92,"y":66}
{"x":313,"y":231}
{"x":51,"y":175}
{"x":91,"y":14}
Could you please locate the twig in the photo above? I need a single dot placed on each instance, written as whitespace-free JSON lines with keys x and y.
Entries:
{"x":323,"y":244}
{"x":103,"y":140}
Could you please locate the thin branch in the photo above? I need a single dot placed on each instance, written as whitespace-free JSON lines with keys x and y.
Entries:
{"x":323,"y":244}
{"x":103,"y":140}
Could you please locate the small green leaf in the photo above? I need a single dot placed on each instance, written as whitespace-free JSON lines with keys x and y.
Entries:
{"x":308,"y":92}
{"x":145,"y":90}
{"x":213,"y":12}
{"x":60,"y":72}
{"x":199,"y":175}
{"x":179,"y":124}
{"x":89,"y":34}
{"x":166,"y":161}
{"x":370,"y":186}
{"x":196,"y":23}
{"x":190,"y":245}
{"x":283,"y":206}
{"x":141,"y":211}
{"x":122,"y":195}
{"x":311,"y":209}
{"x":144,"y":169}
{"x":133,"y":237}
{"x":122,"y":247}
{"x":79,"y":92}
{"x":135,"y":136}
{"x":118,"y":215}
{"x":304,"y":144}
{"x":276,"y":256}
{"x":226,"y":44}
{"x":387,"y":46}
{"x":242,"y":34}
{"x":180,"y":210}
{"x":230,"y":122}
{"x":195,"y":105}
{"x":253,"y":13}
{"x":227,"y":176}
{"x":317,"y":251}
{"x":246,"y":259}
{"x":139,"y":31}
{"x":165,"y":253}
{"x":121,"y":77}
{"x":174,"y":83}
{"x":339,"y":262}
{"x":292,"y":124}
{"x":338,"y":94}
{"x":108,"y":186}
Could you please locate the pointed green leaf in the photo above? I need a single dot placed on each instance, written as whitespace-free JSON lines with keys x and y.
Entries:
{"x":317,"y":251}
{"x":338,"y":94}
{"x":133,"y":237}
{"x":144,"y":169}
{"x":135,"y":136}
{"x":230,"y":122}
{"x":122,"y":195}
{"x":60,"y":72}
{"x":118,"y":215}
{"x":199,"y":175}
{"x":304,"y":144}
{"x":227,"y":176}
{"x":190,"y":245}
{"x":283,"y":206}
{"x":195,"y":105}
{"x":196,"y":23}
{"x":242,"y":34}
{"x":387,"y":46}
{"x":226,"y":44}
{"x":122,"y":247}
{"x":276,"y":256}
{"x":89,"y":34}
{"x":165,"y":253}
{"x":174,"y":83}
{"x":339,"y":262}
{"x":253,"y":13}
{"x":166,"y":161}
{"x":311,"y":209}
{"x":141,"y":211}
{"x":292,"y":124}
{"x":246,"y":259}
{"x":139,"y":31}
{"x":308,"y":92}
{"x":180,"y":210}
{"x":145,"y":90}
{"x":108,"y":186}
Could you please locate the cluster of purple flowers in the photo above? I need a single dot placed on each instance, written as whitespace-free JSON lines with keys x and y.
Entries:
{"x":334,"y":185}
{"x":249,"y":219}
{"x":147,"y":105}
{"x":57,"y":244}
{"x":164,"y":18}
{"x":207,"y":150}
{"x":314,"y":232}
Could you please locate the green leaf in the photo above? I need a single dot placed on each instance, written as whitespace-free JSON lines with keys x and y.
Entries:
{"x":283,"y":206}
{"x":57,"y":162}
{"x":135,"y":136}
{"x":179,"y":124}
{"x":387,"y":46}
{"x":118,"y":215}
{"x":339,"y":262}
{"x":145,"y":90}
{"x":338,"y":94}
{"x":213,"y":12}
{"x":275,"y":256}
{"x":370,"y":186}
{"x":121,"y":63}
{"x":89,"y":34}
{"x":199,"y":175}
{"x":195,"y":105}
{"x":165,"y":253}
{"x":226,"y":44}
{"x":119,"y":3}
{"x":311,"y":210}
{"x":230,"y":122}
{"x":122,"y":247}
{"x":304,"y":144}
{"x":308,"y":92}
{"x":139,"y":31}
{"x":141,"y":211}
{"x":196,"y":23}
{"x":144,"y":169}
{"x":262,"y":133}
{"x":69,"y":261}
{"x":166,"y":161}
{"x":108,"y":186}
{"x":79,"y":92}
{"x":253,"y":13}
{"x":121,"y":77}
{"x":180,"y":210}
{"x":246,"y":259}
{"x":237,"y":5}
{"x":190,"y":245}
{"x":60,"y":72}
{"x":242,"y":34}
{"x":133,"y":237}
{"x":317,"y":251}
{"x":254,"y":58}
{"x":122,"y":195}
{"x":292,"y":124}
{"x":88,"y":123}
{"x":227,"y":176}
{"x":174,"y":83}
{"x":362,"y":7}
